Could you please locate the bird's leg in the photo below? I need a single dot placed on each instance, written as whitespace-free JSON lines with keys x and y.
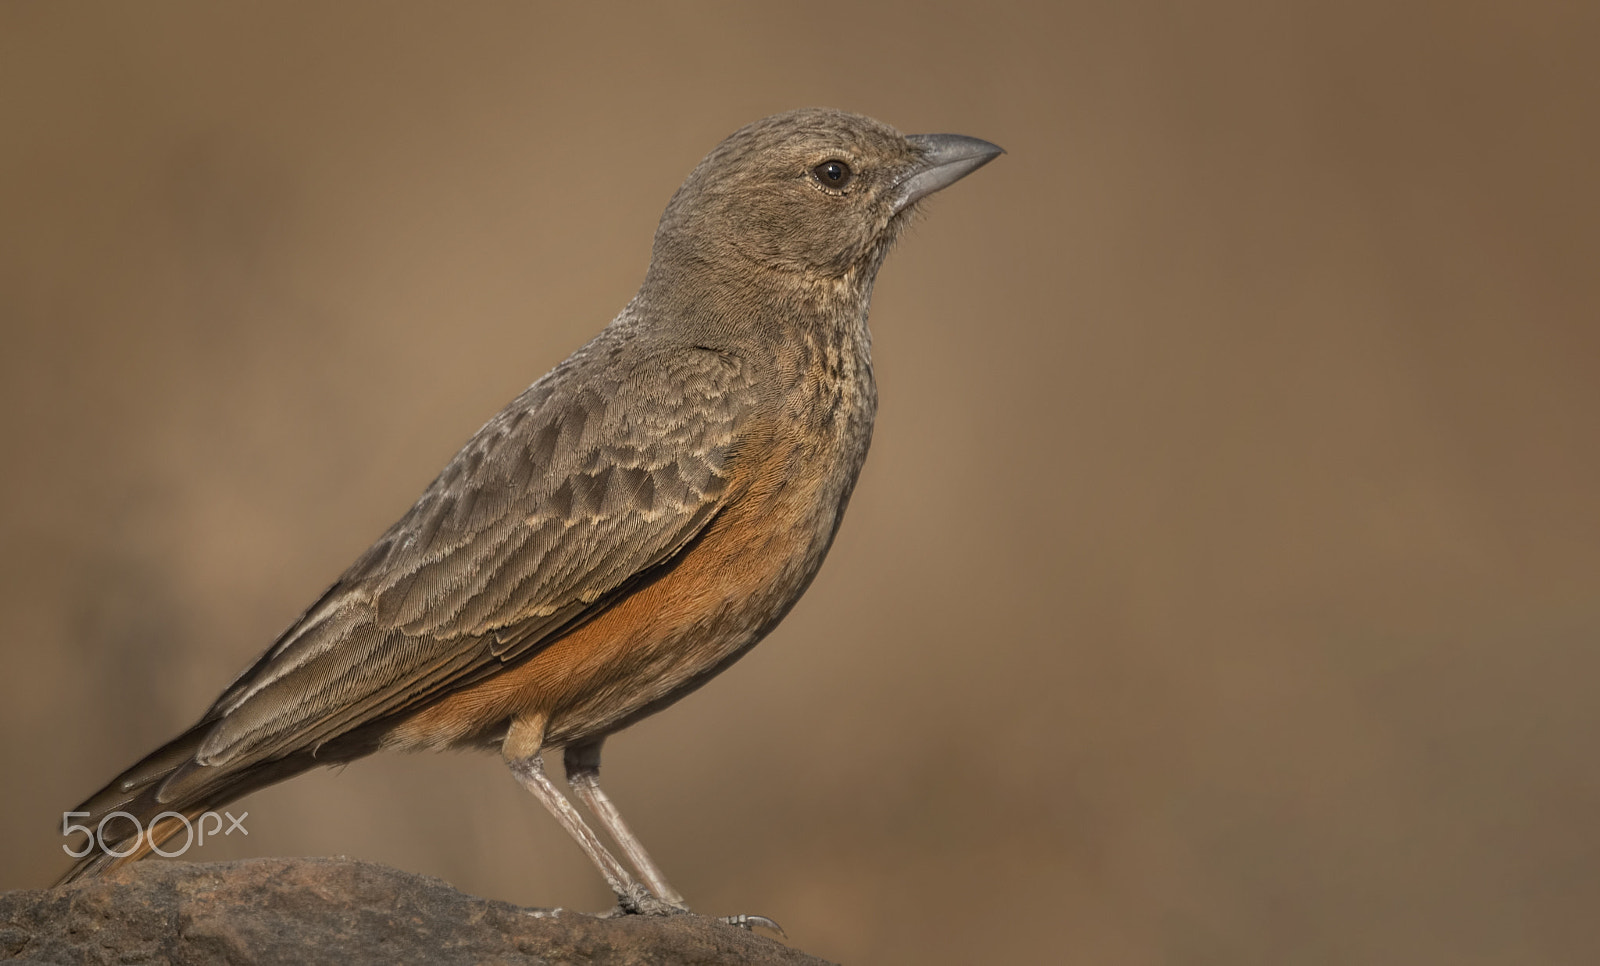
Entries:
{"x":528,"y":766}
{"x":583,"y":775}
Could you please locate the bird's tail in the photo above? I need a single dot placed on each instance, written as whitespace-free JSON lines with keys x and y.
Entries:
{"x":162,"y":795}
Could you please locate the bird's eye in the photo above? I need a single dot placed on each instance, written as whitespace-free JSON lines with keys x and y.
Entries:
{"x":833,"y":174}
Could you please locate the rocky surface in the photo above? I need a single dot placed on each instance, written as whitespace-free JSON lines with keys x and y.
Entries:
{"x":338,"y":911}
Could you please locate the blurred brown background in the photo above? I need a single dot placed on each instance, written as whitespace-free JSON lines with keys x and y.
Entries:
{"x":1223,"y":585}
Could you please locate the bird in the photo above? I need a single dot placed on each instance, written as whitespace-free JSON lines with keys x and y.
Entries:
{"x":625,"y":529}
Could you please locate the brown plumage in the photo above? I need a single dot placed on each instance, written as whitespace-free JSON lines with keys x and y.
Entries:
{"x":626,"y":528}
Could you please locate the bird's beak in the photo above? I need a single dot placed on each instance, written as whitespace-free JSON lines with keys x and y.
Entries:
{"x":946,"y":159}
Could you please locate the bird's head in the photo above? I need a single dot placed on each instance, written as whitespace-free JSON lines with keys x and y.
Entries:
{"x":815,"y":195}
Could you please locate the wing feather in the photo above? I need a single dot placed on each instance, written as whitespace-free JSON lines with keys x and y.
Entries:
{"x":600,"y":471}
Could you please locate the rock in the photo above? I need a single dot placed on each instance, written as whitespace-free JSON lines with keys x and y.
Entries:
{"x":338,"y":910}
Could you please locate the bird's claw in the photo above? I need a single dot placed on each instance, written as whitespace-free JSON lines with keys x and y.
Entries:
{"x":751,"y":922}
{"x":639,"y":901}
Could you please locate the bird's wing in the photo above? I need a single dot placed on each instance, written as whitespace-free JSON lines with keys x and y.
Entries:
{"x":594,"y":475}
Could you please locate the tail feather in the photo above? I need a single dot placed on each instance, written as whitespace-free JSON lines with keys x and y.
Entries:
{"x":120,"y":851}
{"x":169,"y":780}
{"x":152,"y":769}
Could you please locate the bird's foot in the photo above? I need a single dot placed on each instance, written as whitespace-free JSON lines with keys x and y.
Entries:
{"x":751,"y":922}
{"x":639,"y":901}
